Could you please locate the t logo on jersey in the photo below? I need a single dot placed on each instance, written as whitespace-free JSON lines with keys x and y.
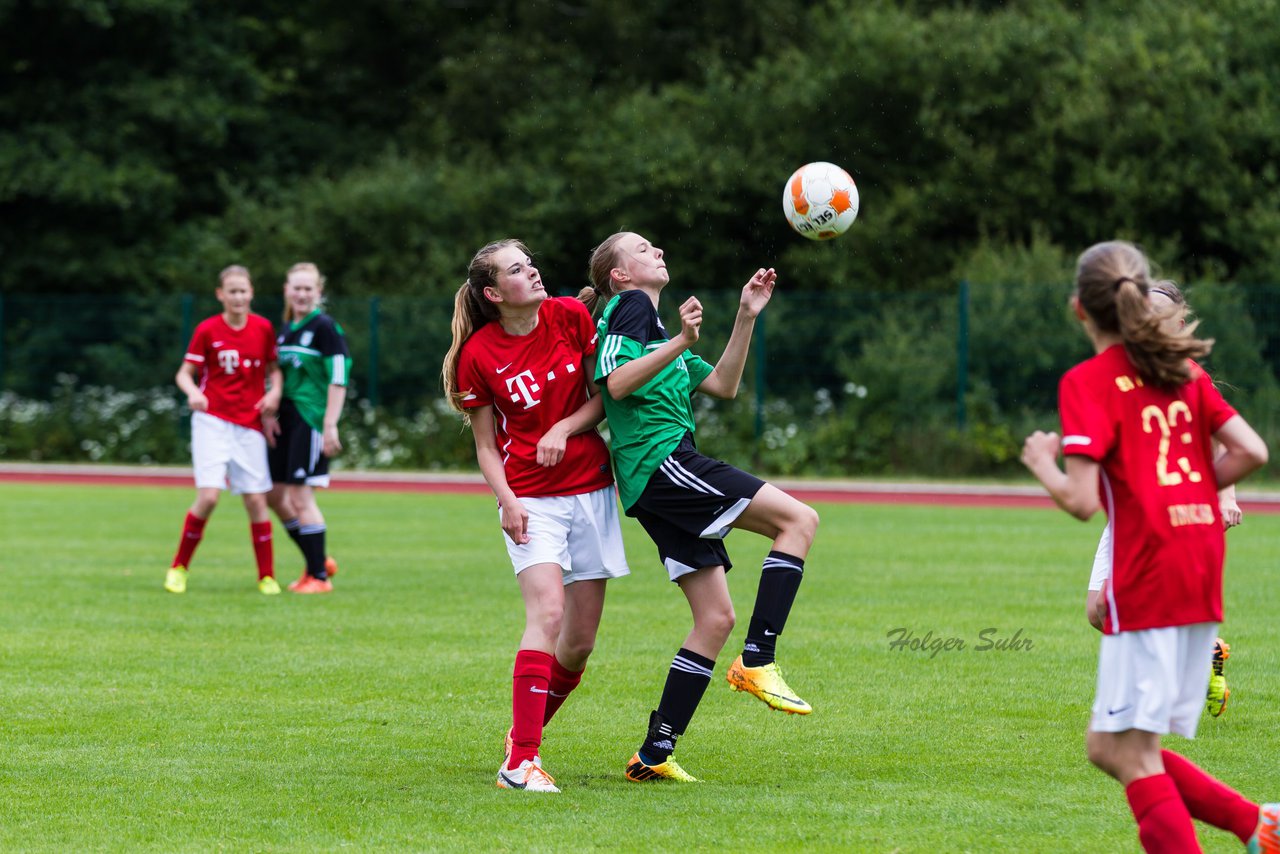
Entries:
{"x":229,"y":359}
{"x":523,"y":387}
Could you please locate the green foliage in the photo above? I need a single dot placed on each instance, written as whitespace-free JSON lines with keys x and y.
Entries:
{"x":146,"y":144}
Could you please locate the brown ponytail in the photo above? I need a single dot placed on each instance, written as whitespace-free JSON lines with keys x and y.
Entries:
{"x":1112,"y":281}
{"x":471,"y":310}
{"x":603,"y":259}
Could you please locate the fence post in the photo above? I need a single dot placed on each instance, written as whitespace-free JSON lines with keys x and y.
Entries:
{"x":962,"y":353}
{"x":374,"y":313}
{"x":759,"y":387}
{"x":188,"y":308}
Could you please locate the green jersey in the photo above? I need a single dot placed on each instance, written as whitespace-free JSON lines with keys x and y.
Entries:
{"x":648,"y":424}
{"x":313,"y":356}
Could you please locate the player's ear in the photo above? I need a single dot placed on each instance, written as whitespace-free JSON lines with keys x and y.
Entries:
{"x":491,"y":294}
{"x":619,"y":275}
{"x":1077,"y":308}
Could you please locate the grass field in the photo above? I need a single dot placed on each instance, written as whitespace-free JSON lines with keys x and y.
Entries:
{"x":373,"y":719}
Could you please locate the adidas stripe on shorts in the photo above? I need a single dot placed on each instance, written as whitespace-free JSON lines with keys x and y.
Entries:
{"x":689,"y":506}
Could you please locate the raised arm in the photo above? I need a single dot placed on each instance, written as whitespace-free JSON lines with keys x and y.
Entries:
{"x":1076,"y":489}
{"x":625,"y":379}
{"x":724,"y":379}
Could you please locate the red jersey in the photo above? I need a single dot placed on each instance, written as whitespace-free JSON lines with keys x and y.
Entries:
{"x":1157,"y":486}
{"x":532,"y":381}
{"x":233,"y":365}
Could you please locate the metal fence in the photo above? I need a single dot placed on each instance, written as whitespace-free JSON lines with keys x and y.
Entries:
{"x":995,"y":345}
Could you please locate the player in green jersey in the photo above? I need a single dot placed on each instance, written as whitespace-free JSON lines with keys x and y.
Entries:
{"x":316,"y":364}
{"x":688,"y":502}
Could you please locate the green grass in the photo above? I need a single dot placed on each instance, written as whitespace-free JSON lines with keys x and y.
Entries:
{"x":373,"y":719}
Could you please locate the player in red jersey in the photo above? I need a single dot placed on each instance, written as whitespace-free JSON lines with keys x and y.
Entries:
{"x":1138,"y":420}
{"x":225,"y":374}
{"x":1166,"y":295}
{"x":520,"y":370}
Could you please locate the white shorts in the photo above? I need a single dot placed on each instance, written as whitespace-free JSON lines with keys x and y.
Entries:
{"x":1154,"y":679}
{"x":580,"y":533}
{"x":224,"y":453}
{"x":1101,"y":560}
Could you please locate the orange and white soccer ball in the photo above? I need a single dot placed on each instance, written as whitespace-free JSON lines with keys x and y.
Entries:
{"x":820,"y":200}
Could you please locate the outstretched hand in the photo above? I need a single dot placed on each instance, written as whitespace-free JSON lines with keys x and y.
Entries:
{"x":757,"y":292}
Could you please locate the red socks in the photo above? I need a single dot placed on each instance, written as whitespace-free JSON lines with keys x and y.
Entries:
{"x":1209,"y":800}
{"x":1164,"y":825}
{"x":562,"y":683}
{"x":529,"y":686}
{"x":192,"y":532}
{"x":261,"y":533}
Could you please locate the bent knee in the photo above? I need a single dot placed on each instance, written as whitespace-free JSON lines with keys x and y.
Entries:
{"x":804,"y":523}
{"x":718,"y":623}
{"x":574,"y":652}
{"x":1097,"y":750}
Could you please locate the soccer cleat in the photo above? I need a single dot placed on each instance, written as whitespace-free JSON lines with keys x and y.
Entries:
{"x":639,"y":772}
{"x":1266,"y":837}
{"x":311,"y":585}
{"x":1221,"y":652}
{"x":509,"y":745}
{"x":529,"y":776}
{"x":1215,"y":702}
{"x":767,"y":684}
{"x":175,"y":580}
{"x":268,"y":586}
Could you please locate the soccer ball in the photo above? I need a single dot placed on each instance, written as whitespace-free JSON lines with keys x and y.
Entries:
{"x":820,"y":200}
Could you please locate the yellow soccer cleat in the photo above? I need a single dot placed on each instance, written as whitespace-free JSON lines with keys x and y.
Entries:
{"x":767,"y":684}
{"x":1215,"y":702}
{"x":638,"y":771}
{"x":268,"y":586}
{"x":175,"y":581}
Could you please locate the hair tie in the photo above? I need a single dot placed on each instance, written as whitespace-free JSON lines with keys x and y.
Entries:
{"x":1120,"y":281}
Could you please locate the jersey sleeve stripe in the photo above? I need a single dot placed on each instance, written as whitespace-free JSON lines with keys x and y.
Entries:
{"x":1068,"y":441}
{"x":339,"y":371}
{"x":194,"y":357}
{"x":609,"y":353}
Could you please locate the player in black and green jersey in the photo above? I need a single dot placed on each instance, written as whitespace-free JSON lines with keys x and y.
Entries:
{"x":316,"y":363}
{"x":686,"y":501}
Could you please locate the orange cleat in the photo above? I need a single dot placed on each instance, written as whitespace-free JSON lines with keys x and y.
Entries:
{"x":311,"y":585}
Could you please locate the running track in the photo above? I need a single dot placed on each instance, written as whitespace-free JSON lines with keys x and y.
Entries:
{"x":851,"y":492}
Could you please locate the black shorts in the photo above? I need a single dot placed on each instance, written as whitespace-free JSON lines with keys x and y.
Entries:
{"x":298,"y":457}
{"x":689,"y":506}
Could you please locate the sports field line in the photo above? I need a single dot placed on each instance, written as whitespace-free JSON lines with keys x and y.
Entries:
{"x":844,"y":492}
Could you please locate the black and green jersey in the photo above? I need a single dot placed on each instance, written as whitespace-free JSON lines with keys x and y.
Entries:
{"x":645,"y":426}
{"x":313,"y":356}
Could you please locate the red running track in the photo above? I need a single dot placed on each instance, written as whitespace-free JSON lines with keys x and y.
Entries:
{"x":848,"y":493}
